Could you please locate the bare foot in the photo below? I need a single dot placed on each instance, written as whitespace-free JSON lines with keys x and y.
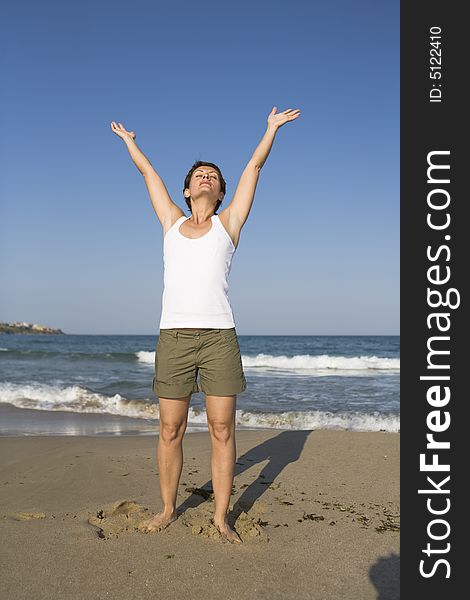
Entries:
{"x":227,"y":532}
{"x":157,"y":522}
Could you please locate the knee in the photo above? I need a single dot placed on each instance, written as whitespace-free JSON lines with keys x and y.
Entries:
{"x":172,"y":431}
{"x":221,"y":431}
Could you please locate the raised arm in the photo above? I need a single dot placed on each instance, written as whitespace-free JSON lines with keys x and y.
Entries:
{"x":163,"y":205}
{"x":240,"y":207}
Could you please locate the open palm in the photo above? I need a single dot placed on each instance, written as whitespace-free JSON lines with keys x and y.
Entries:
{"x":119,"y":130}
{"x":277,"y":120}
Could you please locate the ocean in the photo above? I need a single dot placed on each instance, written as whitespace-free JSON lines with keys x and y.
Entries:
{"x":101,"y":384}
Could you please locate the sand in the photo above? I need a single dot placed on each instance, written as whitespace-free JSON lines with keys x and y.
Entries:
{"x":318,"y":513}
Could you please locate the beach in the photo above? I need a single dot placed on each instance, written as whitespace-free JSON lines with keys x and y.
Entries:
{"x":318,"y":513}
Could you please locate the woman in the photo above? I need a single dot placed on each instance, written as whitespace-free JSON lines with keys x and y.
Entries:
{"x":197,"y":328}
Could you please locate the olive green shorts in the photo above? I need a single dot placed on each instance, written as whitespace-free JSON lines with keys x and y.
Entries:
{"x":183,"y":353}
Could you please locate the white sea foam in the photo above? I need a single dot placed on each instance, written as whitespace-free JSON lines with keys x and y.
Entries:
{"x":78,"y":399}
{"x":317,"y":419}
{"x":74,"y":399}
{"x":322,"y":362}
{"x":307,"y":362}
{"x":145,"y":357}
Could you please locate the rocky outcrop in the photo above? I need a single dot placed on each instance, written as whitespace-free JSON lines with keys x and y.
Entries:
{"x":27,"y":328}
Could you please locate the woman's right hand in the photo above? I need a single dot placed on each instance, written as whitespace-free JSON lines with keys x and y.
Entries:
{"x":119,"y":130}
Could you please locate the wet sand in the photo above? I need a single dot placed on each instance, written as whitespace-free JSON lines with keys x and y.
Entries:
{"x":318,"y":513}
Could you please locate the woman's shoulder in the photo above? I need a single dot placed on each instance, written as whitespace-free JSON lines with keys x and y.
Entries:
{"x":174,"y":215}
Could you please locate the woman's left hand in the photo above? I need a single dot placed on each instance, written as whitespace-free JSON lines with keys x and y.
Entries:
{"x":278,"y":120}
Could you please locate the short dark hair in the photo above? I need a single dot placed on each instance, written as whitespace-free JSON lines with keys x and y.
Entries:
{"x":196,"y":165}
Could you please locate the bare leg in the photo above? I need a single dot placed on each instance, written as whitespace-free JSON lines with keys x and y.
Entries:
{"x":221,"y":422}
{"x":173,"y":421}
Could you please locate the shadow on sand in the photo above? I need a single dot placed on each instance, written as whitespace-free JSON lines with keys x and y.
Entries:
{"x":279,"y":451}
{"x":385,"y":575}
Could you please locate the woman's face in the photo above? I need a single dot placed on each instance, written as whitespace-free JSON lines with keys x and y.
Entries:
{"x":206,"y":176}
{"x":205,"y":181}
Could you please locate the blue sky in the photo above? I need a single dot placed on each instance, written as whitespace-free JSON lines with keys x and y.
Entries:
{"x":80,"y":244}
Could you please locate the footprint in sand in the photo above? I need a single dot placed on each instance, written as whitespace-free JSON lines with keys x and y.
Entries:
{"x":248,"y":526}
{"x":27,"y":516}
{"x":126,"y":516}
{"x":118,"y":517}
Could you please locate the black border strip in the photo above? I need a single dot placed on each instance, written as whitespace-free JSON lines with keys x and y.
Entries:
{"x":427,"y":127}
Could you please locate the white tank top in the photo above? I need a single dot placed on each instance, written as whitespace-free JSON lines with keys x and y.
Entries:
{"x":195,"y":278}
